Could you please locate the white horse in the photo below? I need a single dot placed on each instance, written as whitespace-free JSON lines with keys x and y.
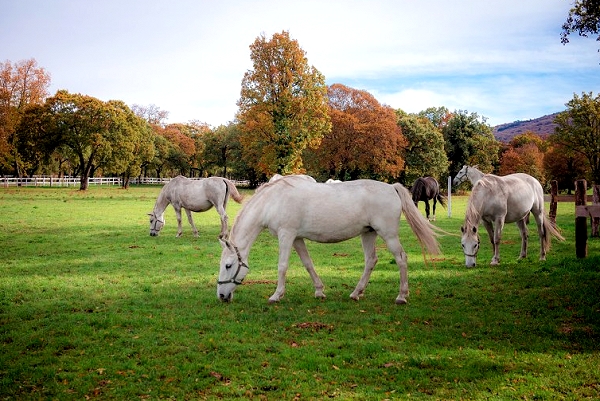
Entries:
{"x":470,"y":173}
{"x":294,"y":209}
{"x":497,"y":200}
{"x":193,"y":196}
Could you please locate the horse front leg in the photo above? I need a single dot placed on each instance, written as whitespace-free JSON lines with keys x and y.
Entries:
{"x":300,"y":248}
{"x":368,"y":244}
{"x":498,"y":227}
{"x":285,"y":249}
{"x":178,"y":215}
{"x":191,"y":221}
{"x":524,"y":237}
{"x":489,"y":227}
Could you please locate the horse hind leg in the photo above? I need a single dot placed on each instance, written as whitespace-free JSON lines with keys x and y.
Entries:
{"x":224,"y":220}
{"x":300,"y":248}
{"x":427,"y":210}
{"x":394,"y":246}
{"x":368,"y":244}
{"x":522,"y":224}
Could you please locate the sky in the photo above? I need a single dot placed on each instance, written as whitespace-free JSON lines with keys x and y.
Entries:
{"x":500,"y":59}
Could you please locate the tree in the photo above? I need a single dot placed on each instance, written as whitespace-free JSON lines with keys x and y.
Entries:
{"x":283,"y":105}
{"x":439,"y":116}
{"x":364,"y":142}
{"x":564,"y":166}
{"x":22,"y":84}
{"x":469,"y":140}
{"x":102,"y":135}
{"x":424,"y":153}
{"x":578,"y":130}
{"x":583,"y":19}
{"x":526,"y":159}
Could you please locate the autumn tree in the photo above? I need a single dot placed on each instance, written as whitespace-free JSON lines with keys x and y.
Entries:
{"x":22,"y":84}
{"x":364,"y":142}
{"x":283,"y":105}
{"x":565,"y":166}
{"x":424,"y":153}
{"x":469,"y":140}
{"x":578,"y":130}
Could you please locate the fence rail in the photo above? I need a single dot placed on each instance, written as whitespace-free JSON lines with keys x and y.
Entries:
{"x":45,"y":181}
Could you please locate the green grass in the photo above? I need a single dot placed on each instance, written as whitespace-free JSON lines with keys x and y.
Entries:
{"x":92,"y":307}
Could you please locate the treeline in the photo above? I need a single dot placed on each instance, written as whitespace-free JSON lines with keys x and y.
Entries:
{"x":288,"y":121}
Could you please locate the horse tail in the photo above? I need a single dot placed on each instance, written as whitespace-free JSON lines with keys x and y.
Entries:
{"x":233,"y":191}
{"x":550,"y":230}
{"x":441,"y":199}
{"x":422,"y":228}
{"x":416,"y":190}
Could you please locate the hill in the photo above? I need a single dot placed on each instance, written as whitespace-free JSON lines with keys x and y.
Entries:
{"x":542,"y":126}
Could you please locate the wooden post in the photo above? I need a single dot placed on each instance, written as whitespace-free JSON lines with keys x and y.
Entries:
{"x":596,"y":220}
{"x":553,"y":201}
{"x":580,"y":219}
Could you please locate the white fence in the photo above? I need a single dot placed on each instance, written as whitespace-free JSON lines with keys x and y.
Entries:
{"x":44,"y":181}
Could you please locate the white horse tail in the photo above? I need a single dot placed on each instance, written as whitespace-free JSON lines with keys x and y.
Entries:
{"x":422,"y":228}
{"x":550,"y":230}
{"x":233,"y":191}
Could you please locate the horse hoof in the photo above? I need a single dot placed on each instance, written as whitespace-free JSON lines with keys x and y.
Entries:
{"x":401,"y":301}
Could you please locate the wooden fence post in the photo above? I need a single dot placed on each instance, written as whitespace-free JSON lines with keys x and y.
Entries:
{"x":553,"y":201}
{"x":580,"y":220}
{"x":596,"y":220}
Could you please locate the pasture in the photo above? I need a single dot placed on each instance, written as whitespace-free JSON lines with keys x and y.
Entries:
{"x":93,"y":307}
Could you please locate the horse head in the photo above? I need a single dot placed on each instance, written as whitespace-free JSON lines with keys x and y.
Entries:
{"x":156,"y":224}
{"x":470,"y":244}
{"x":232,"y":270}
{"x":461,"y":176}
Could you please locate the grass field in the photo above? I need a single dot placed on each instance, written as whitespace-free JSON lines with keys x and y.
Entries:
{"x":92,"y":307}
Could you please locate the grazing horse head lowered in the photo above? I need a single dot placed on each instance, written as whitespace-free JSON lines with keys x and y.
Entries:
{"x":193,"y":196}
{"x":495,"y":201}
{"x":294,"y":209}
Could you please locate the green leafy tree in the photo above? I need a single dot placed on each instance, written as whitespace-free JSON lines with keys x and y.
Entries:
{"x":583,"y":19}
{"x":469,"y":140}
{"x":283,"y":105}
{"x":102,"y":135}
{"x":578,"y":130}
{"x":424,"y":152}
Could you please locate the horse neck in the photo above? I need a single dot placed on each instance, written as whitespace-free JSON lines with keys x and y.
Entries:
{"x":245,"y":231}
{"x":161,"y":203}
{"x":474,"y":175}
{"x":473,"y":213}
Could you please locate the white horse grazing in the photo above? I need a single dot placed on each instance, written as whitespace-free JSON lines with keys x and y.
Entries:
{"x":470,"y":173}
{"x":294,"y":209}
{"x":497,"y":200}
{"x":193,"y":196}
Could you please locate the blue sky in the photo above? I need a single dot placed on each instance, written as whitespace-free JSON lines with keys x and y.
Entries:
{"x":502,"y":60}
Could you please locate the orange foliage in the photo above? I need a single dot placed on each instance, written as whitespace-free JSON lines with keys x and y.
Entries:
{"x":365,"y":139}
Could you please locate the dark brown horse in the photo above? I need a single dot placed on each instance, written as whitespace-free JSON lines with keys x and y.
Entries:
{"x":424,"y":189}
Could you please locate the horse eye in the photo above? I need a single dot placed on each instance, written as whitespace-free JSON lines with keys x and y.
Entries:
{"x":228,"y":266}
